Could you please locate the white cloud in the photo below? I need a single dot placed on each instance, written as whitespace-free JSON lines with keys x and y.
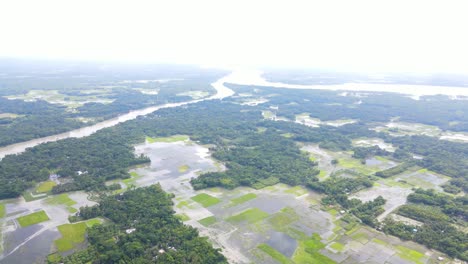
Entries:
{"x":370,"y":35}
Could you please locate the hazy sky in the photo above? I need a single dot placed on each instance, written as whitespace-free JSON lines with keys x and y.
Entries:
{"x":408,"y":35}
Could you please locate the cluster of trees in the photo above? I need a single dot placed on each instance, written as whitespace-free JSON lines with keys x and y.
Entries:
{"x":258,"y":157}
{"x":366,"y":152}
{"x":439,"y":214}
{"x":103,"y":156}
{"x":400,"y":168}
{"x":456,"y":208}
{"x":445,"y":157}
{"x":157,"y":235}
{"x":337,"y":190}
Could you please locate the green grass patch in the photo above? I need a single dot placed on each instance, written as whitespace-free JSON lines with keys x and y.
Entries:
{"x":184,"y":168}
{"x":382,"y":159}
{"x":61,"y":199}
{"x":242,"y":199}
{"x":183,"y":204}
{"x":282,"y":219}
{"x":54,"y":258}
{"x":352,"y":230}
{"x":356,"y":165}
{"x":2,"y":210}
{"x":274,"y":254}
{"x":308,"y":251}
{"x":45,"y":187}
{"x":208,"y":221}
{"x":322,"y":175}
{"x":32,"y":219}
{"x":132,"y":180}
{"x":337,"y":246}
{"x":183,"y":217}
{"x":409,"y":254}
{"x":28,"y":197}
{"x":251,"y":215}
{"x":287,"y":135}
{"x":262,"y":183}
{"x":205,"y":200}
{"x":380,"y":242}
{"x":92,"y":222}
{"x":72,"y":234}
{"x":360,"y":237}
{"x":297,"y":190}
{"x":332,"y":211}
{"x":423,"y":171}
{"x":170,"y":139}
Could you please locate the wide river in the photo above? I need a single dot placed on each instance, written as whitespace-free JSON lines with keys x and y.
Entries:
{"x":244,"y":78}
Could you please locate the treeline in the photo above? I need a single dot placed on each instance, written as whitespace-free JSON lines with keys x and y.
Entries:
{"x":156,"y":234}
{"x":366,"y":152}
{"x":400,"y":168}
{"x":438,"y":213}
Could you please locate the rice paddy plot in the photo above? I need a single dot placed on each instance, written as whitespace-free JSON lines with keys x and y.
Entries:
{"x":45,"y":187}
{"x":183,"y":217}
{"x":183,"y":168}
{"x":72,"y":234}
{"x":208,"y":221}
{"x":2,"y":210}
{"x":242,"y":199}
{"x":274,"y":254}
{"x":251,"y":216}
{"x":205,"y":199}
{"x":32,"y":219}
{"x":410,"y":254}
{"x":170,"y":139}
{"x":63,"y":199}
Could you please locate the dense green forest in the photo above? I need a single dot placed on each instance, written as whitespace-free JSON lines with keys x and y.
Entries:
{"x":158,"y":236}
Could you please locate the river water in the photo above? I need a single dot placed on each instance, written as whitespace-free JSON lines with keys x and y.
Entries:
{"x":221,"y":92}
{"x":243,"y":78}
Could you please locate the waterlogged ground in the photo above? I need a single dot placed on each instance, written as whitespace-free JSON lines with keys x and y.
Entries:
{"x":27,"y":239}
{"x":307,"y":120}
{"x":406,"y":128}
{"x":277,"y":224}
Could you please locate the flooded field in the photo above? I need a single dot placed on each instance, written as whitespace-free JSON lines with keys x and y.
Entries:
{"x":370,"y":142}
{"x":32,"y":243}
{"x":404,"y":128}
{"x":270,"y":225}
{"x":71,"y":102}
{"x":306,"y":119}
